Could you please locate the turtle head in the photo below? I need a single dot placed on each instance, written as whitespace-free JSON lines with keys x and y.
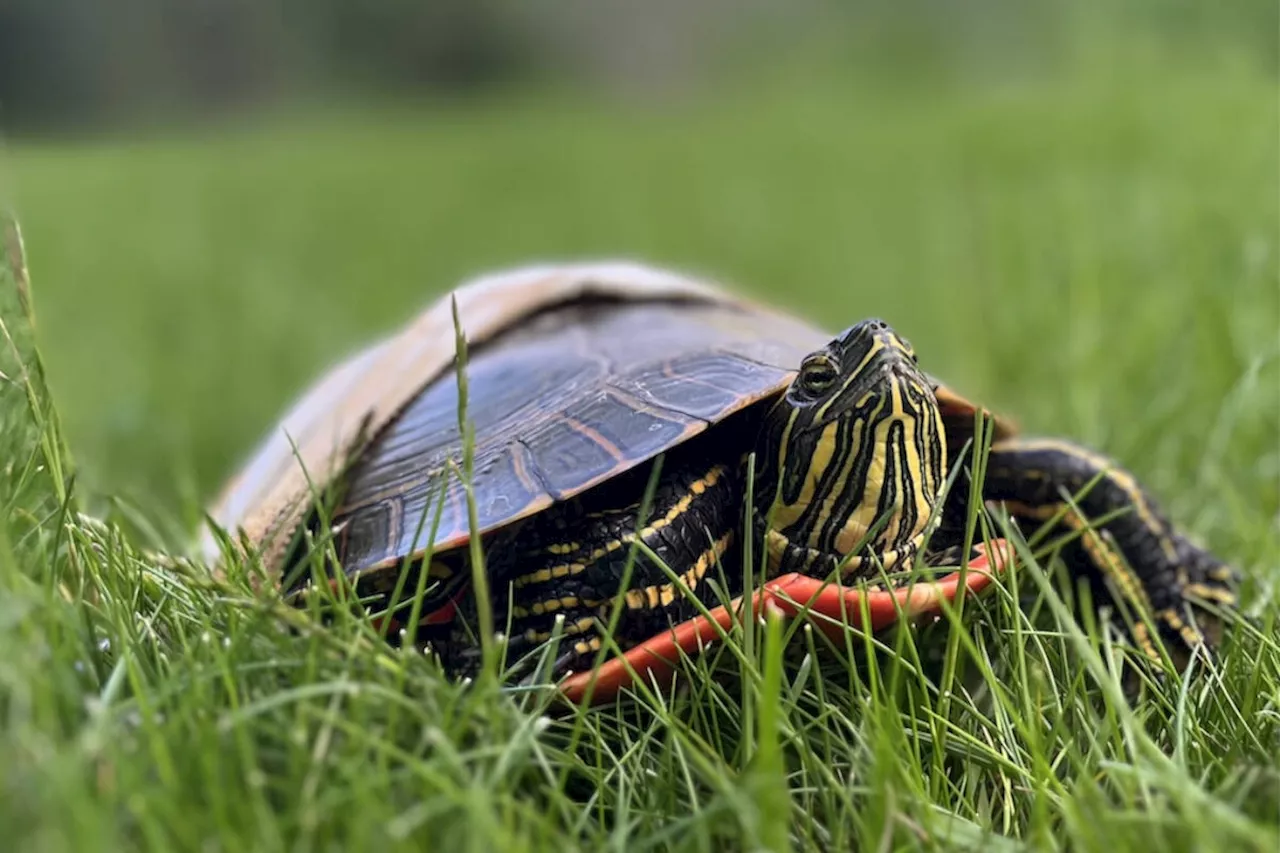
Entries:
{"x":858,"y":454}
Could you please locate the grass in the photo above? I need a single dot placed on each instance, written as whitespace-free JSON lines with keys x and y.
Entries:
{"x":1094,"y":252}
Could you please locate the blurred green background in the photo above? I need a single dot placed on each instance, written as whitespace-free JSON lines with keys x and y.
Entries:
{"x":1070,"y":208}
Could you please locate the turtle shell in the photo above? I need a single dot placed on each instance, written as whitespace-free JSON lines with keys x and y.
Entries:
{"x":576,"y":373}
{"x":576,"y":394}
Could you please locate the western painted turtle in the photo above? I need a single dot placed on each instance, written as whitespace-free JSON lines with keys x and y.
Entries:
{"x":577,"y":376}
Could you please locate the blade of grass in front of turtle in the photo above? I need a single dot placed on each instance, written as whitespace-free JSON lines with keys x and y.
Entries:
{"x":422,"y":560}
{"x":607,"y":644}
{"x":479,"y":578}
{"x":702,"y":608}
{"x":895,"y":664}
{"x":1131,"y":611}
{"x":748,"y":582}
{"x":424,"y":563}
{"x":15,"y":273}
{"x":981,"y":444}
{"x":767,"y":778}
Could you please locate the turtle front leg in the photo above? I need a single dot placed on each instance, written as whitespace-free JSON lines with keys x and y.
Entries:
{"x":1114,"y":532}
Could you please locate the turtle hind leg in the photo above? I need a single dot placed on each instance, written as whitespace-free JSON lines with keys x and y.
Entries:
{"x":1114,"y":532}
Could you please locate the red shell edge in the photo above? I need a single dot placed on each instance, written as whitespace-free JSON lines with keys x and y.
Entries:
{"x":654,"y":660}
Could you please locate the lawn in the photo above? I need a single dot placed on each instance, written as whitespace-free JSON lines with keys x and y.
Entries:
{"x":1092,"y":250}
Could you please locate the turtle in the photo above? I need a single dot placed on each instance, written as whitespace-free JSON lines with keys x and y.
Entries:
{"x":634,"y":432}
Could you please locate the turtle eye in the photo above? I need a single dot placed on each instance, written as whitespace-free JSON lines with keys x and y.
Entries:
{"x":818,"y":374}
